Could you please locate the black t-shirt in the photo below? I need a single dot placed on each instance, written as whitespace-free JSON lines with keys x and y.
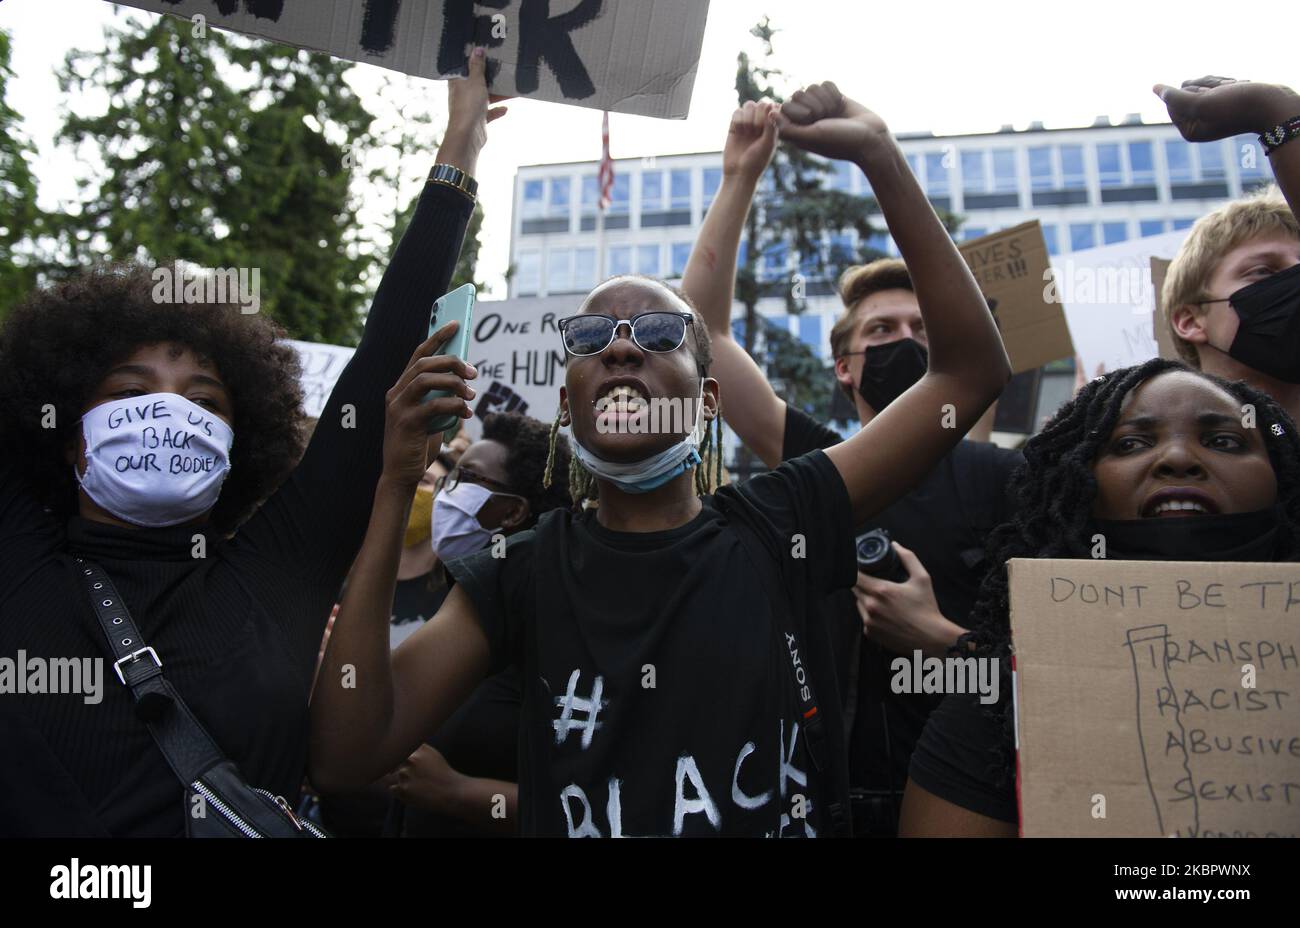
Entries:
{"x":481,"y":739}
{"x":415,"y":601}
{"x":655,"y":701}
{"x":957,"y":758}
{"x":945,"y":521}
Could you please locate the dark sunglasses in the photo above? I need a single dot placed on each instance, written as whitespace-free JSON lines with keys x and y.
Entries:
{"x":591,"y":333}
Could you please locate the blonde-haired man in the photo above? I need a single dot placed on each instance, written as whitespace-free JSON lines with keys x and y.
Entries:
{"x":1232,"y":295}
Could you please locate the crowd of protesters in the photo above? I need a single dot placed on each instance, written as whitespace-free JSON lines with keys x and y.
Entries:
{"x":578,"y":627}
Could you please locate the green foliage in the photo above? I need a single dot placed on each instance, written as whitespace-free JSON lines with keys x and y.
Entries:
{"x":20,"y":219}
{"x":409,"y":138}
{"x":796,"y":372}
{"x":224,"y":152}
{"x":793,"y":208}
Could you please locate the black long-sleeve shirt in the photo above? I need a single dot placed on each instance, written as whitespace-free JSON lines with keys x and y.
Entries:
{"x":238,"y":630}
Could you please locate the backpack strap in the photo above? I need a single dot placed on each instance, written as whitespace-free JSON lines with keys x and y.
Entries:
{"x":790,"y":624}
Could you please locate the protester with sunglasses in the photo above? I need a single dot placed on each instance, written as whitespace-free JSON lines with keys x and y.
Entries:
{"x":448,"y":787}
{"x":669,"y":678}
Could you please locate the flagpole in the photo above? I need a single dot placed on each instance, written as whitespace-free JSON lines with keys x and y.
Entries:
{"x":605,"y":184}
{"x":600,"y":244}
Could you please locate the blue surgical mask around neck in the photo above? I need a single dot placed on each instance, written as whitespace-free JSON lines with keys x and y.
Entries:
{"x":656,"y":470}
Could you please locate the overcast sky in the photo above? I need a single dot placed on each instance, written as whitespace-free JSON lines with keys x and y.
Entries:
{"x":941,"y":65}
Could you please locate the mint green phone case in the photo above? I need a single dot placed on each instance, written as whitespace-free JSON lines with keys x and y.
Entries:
{"x":457,"y":305}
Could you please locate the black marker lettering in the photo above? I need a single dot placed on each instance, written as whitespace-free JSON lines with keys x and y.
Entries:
{"x":460,"y":29}
{"x":542,"y":36}
{"x":379,"y":25}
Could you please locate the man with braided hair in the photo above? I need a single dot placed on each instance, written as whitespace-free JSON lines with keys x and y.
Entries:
{"x":1156,"y":458}
{"x":669,"y":676}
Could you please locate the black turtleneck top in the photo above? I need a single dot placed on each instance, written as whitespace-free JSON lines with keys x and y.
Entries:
{"x":238,"y":630}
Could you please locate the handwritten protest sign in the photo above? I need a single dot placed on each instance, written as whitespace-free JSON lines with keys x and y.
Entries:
{"x":1157,"y":698}
{"x":629,"y":56}
{"x":321,"y":366}
{"x":1110,"y":300}
{"x":515,"y":346}
{"x":520,"y":358}
{"x":1010,"y":267}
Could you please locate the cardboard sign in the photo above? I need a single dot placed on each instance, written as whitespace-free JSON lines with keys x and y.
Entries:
{"x":1010,"y":267}
{"x":1110,"y":300}
{"x":628,"y":56}
{"x":520,"y":358}
{"x":1157,"y":698}
{"x":515,"y":346}
{"x":321,"y":366}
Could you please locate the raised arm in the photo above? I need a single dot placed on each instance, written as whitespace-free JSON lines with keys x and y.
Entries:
{"x":968,"y":364}
{"x":750,"y":405}
{"x":1212,"y":108}
{"x":309,"y":530}
{"x":370,"y":708}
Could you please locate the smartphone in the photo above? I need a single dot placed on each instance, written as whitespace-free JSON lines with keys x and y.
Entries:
{"x":459,"y":306}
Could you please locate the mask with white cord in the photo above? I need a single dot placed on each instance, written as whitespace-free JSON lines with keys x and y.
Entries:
{"x":655,"y":471}
{"x":154,"y":461}
{"x":457,"y":531}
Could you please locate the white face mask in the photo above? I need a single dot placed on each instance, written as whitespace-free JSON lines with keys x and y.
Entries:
{"x":456,"y":528}
{"x":155,"y":460}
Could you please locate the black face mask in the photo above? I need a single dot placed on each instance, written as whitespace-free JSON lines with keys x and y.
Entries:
{"x":889,"y":370}
{"x":1241,"y":536}
{"x":1268,"y":330}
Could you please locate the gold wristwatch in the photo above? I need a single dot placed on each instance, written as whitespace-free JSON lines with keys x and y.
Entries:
{"x":453,"y":176}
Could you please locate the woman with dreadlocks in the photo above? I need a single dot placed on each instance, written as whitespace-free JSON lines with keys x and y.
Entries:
{"x":1157,"y":458}
{"x":669,"y":678}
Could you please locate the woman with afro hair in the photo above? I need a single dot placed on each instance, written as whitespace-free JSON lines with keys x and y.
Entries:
{"x":161,"y":441}
{"x":1112,"y":461}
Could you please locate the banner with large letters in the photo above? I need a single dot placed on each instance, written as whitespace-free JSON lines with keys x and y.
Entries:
{"x":628,"y":56}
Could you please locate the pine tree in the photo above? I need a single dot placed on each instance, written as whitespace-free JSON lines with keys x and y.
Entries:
{"x":795,"y":213}
{"x":170,"y":141}
{"x":225,"y":152}
{"x":298,"y":219}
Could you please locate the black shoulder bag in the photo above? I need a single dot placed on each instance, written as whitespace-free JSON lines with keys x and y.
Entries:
{"x":218,"y":802}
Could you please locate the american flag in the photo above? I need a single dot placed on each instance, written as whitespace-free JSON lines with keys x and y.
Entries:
{"x":606,"y":175}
